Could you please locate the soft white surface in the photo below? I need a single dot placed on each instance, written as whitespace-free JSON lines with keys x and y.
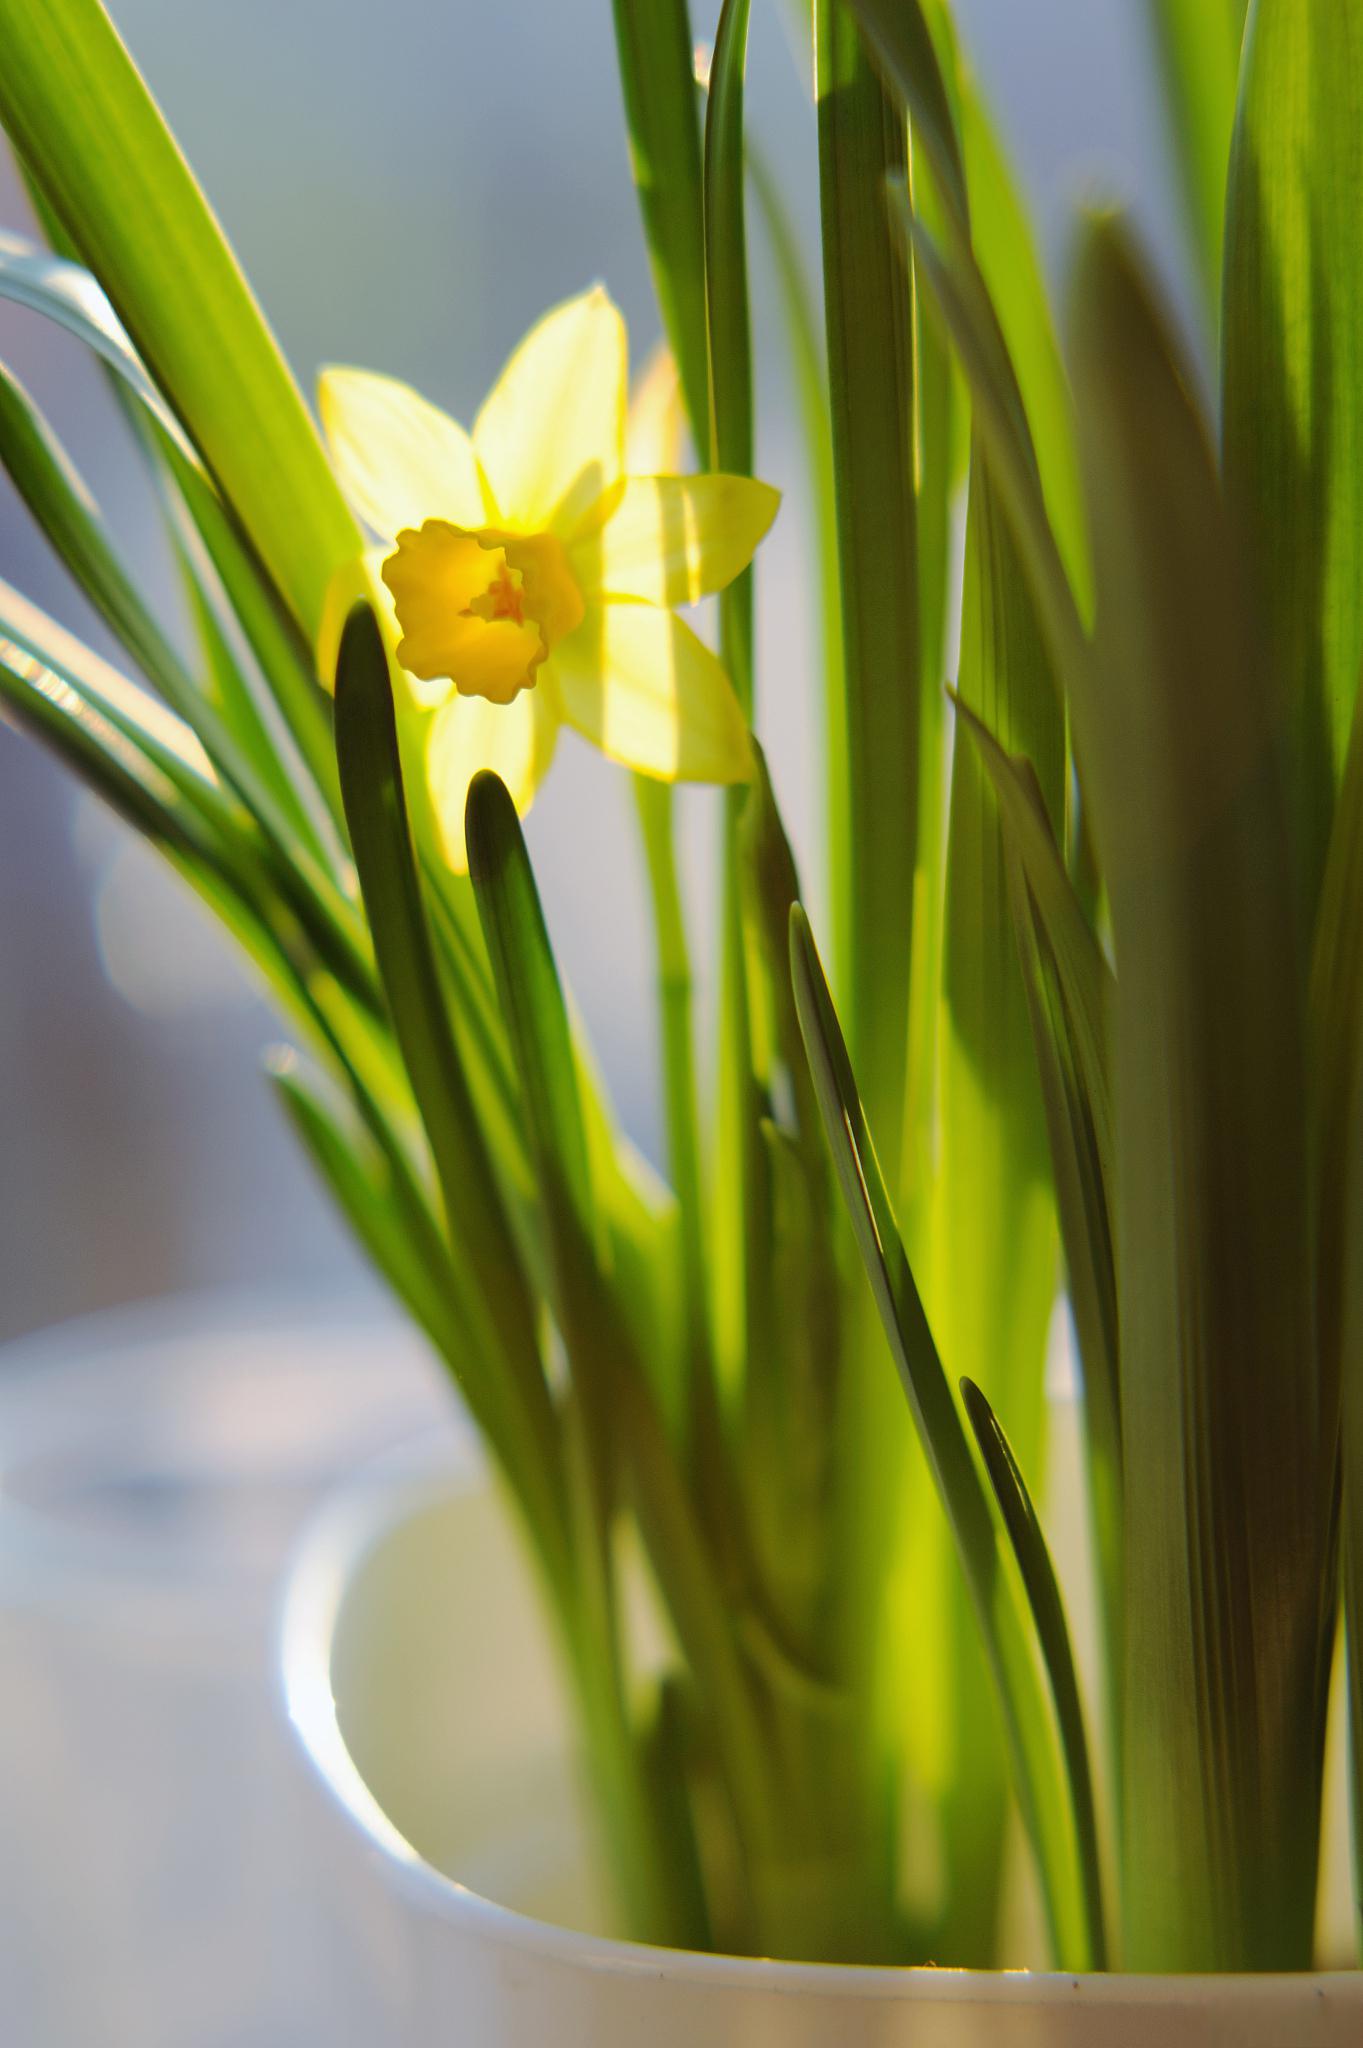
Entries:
{"x":155,"y":1860}
{"x":449,"y":1740}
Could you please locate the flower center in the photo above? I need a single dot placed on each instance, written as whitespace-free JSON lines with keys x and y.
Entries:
{"x":482,"y":608}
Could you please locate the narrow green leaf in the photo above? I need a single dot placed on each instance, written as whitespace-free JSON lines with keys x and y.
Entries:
{"x":1228,"y":1458}
{"x":498,"y":1306}
{"x":286,"y":662}
{"x":94,"y":142}
{"x":1353,"y":1597}
{"x":728,"y":320}
{"x":356,"y":1175}
{"x":993,"y":248}
{"x":537,"y":1026}
{"x":149,"y":770}
{"x":148,"y":767}
{"x":654,"y":42}
{"x":964,"y":303}
{"x":1080,"y":1171}
{"x":64,"y":292}
{"x":142,"y":759}
{"x":230,"y":693}
{"x":790,"y":1393}
{"x":1052,"y":1632}
{"x":536,"y":1017}
{"x":1292,"y":346}
{"x":989,"y":1264}
{"x":898,"y":36}
{"x":1336,"y":1083}
{"x":1070,"y":996}
{"x":1005,"y":249}
{"x":1085,"y":975}
{"x":746,"y":1320}
{"x":619,"y":1422}
{"x":870,"y":325}
{"x":637,"y":1209}
{"x":1033,"y":1740}
{"x":695,"y":1404}
{"x":805,"y":342}
{"x":67,"y":514}
{"x":1198,"y":42}
{"x":83,"y":704}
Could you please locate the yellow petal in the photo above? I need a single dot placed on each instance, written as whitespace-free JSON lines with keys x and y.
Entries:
{"x":469,"y":733}
{"x":551,"y":434}
{"x":672,"y":539}
{"x":399,"y":459}
{"x":639,"y":684}
{"x":655,"y":431}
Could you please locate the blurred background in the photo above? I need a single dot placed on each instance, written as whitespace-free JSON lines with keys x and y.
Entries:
{"x":408,"y":187}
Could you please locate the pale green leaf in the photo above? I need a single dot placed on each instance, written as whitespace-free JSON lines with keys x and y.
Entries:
{"x":1227,"y":1457}
{"x":96,"y":147}
{"x":1292,"y":346}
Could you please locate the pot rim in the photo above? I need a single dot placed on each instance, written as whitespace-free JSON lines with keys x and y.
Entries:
{"x":333,"y":1547}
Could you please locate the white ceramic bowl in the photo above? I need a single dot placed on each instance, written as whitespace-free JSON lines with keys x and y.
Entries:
{"x":416,"y":1675}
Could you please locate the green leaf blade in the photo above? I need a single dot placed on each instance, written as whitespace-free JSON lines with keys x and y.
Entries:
{"x":1041,"y":1791}
{"x":1226,"y":1448}
{"x":1292,"y":360}
{"x":868,"y":307}
{"x":94,"y":142}
{"x":655,"y":46}
{"x":1198,"y":43}
{"x":1048,"y":1614}
{"x":497,"y":1303}
{"x":989,"y":1262}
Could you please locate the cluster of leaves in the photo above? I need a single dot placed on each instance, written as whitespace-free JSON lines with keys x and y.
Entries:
{"x":1098,"y":985}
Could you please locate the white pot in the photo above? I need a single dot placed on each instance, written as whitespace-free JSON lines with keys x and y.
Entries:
{"x":416,"y":1674}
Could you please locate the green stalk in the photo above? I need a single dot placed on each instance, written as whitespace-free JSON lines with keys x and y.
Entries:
{"x":869,"y":313}
{"x":742,"y":1238}
{"x":869,"y":322}
{"x":704,"y":1429}
{"x":992,"y":1240}
{"x":654,"y":46}
{"x":811,"y":387}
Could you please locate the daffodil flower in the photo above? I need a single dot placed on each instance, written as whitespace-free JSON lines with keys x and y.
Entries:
{"x":528,"y":582}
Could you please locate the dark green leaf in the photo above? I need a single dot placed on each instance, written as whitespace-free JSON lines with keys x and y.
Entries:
{"x":991,"y":1266}
{"x":1033,"y":1739}
{"x":497,"y":1306}
{"x":1227,"y":1455}
{"x":898,"y":35}
{"x":870,"y":325}
{"x":358,"y":1177}
{"x":62,"y":291}
{"x":1048,"y":1615}
{"x":728,"y":322}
